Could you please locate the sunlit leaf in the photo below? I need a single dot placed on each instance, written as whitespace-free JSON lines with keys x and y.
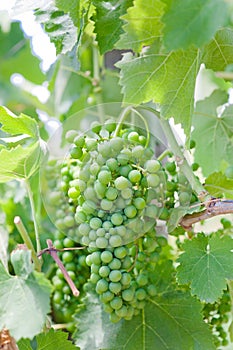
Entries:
{"x":205,"y":265}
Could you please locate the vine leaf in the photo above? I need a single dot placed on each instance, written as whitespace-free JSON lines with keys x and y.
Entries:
{"x":174,"y":314}
{"x":16,"y":56}
{"x":18,"y":161}
{"x":48,"y":341}
{"x":167,"y":79}
{"x":143,"y":25}
{"x":213,"y":132}
{"x":218,"y":53}
{"x":59,"y":27}
{"x":23,"y":298}
{"x":72,"y":7}
{"x":108,"y":24}
{"x":206,"y":264}
{"x":217,"y":184}
{"x":201,"y":19}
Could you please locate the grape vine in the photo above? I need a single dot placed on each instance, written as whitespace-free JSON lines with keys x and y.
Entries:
{"x":117,"y":191}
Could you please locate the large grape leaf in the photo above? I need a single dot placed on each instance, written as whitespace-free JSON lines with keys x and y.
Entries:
{"x":189,"y":22}
{"x":171,"y":321}
{"x":24,"y":302}
{"x":213,"y":132}
{"x":206,"y":264}
{"x":167,"y":79}
{"x":108,"y":24}
{"x":218,"y":53}
{"x":19,"y":159}
{"x":143,"y":25}
{"x":48,"y":341}
{"x":218,"y":184}
{"x":59,"y":27}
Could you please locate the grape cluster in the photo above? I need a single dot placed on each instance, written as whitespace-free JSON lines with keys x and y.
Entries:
{"x":110,"y":189}
{"x":123,"y":276}
{"x":217,"y":315}
{"x":63,"y":301}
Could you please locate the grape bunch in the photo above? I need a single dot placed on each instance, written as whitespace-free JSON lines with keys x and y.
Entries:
{"x":111,"y":188}
{"x":123,"y":276}
{"x":63,"y":301}
{"x":217,"y":315}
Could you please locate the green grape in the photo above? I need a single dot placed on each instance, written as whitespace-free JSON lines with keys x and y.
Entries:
{"x":115,"y":241}
{"x":153,"y":180}
{"x":124,"y":170}
{"x":106,"y":256}
{"x":115,"y":276}
{"x":101,"y":286}
{"x":140,"y":294}
{"x":121,"y":183}
{"x":116,"y":303}
{"x":115,"y":264}
{"x":101,"y":242}
{"x":120,"y":252}
{"x":130,"y":211}
{"x":134,"y":176}
{"x":152,"y":166}
{"x":115,"y":287}
{"x":128,"y":294}
{"x":76,"y":152}
{"x":79,"y":141}
{"x":116,"y":219}
{"x":104,"y":271}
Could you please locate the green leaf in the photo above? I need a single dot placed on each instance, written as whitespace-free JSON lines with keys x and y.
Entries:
{"x":218,"y":184}
{"x":48,"y":341}
{"x":143,"y":25}
{"x":206,"y":264}
{"x":72,"y":7}
{"x":24,"y":303}
{"x":167,"y":79}
{"x":16,"y":56}
{"x":171,"y":321}
{"x":213,"y":133}
{"x":108,"y":24}
{"x":21,"y":261}
{"x":219,"y":52}
{"x":59,"y":27}
{"x":189,"y":22}
{"x":15,"y":125}
{"x":18,"y":161}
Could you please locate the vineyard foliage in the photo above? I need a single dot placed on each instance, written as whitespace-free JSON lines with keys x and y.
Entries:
{"x":116,"y":176}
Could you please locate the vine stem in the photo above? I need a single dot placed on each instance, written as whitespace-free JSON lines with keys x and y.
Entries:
{"x":95,"y":82}
{"x":182,"y":161}
{"x":52,"y":251}
{"x":146,"y":126}
{"x":123,"y":116}
{"x":33,"y":211}
{"x":24,"y":234}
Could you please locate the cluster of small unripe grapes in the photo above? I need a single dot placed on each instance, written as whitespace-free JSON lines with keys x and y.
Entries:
{"x":123,"y":276}
{"x":109,"y":196}
{"x":63,"y":301}
{"x":217,"y":315}
{"x":110,"y":183}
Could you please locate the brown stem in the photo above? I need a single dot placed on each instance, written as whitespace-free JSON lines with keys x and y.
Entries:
{"x":52,"y":251}
{"x":215,"y":207}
